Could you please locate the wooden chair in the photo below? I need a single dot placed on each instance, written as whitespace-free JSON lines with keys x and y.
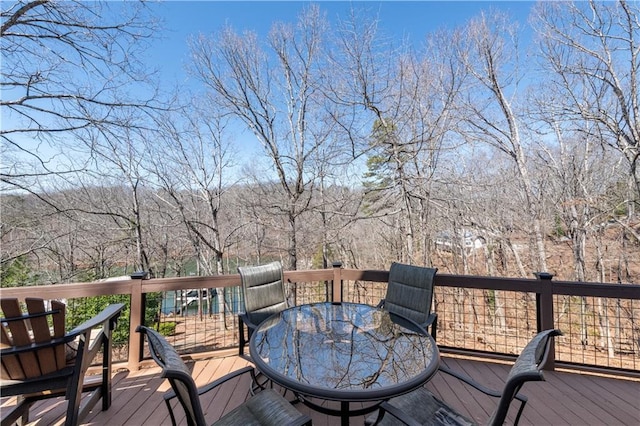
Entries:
{"x":421,"y":407}
{"x":264,"y":295}
{"x":409,"y":294}
{"x":40,"y":360}
{"x":264,"y":408}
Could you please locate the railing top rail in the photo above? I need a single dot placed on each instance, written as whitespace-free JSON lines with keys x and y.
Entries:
{"x":622,"y":291}
{"x":569,"y":288}
{"x":70,"y":291}
{"x":185,"y":283}
{"x":365,"y":275}
{"x":124,"y":286}
{"x":309,"y":275}
{"x":489,"y":283}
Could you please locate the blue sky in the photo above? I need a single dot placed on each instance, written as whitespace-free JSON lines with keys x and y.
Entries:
{"x":399,"y":19}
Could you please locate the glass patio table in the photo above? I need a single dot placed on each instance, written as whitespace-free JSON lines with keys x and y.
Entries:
{"x":343,"y":352}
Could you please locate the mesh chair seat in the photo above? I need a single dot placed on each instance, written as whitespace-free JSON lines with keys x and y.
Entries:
{"x":421,"y":407}
{"x":424,"y":408}
{"x":267,"y":408}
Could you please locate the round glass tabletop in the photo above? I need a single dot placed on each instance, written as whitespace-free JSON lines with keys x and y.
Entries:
{"x":344,"y":351}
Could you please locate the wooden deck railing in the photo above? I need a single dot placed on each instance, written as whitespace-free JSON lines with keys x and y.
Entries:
{"x":477,"y":315}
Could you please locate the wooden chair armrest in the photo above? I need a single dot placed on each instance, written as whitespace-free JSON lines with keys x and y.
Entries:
{"x":104,"y":323}
{"x":107,"y":317}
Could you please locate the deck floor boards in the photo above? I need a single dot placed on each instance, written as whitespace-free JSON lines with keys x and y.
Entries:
{"x":566,"y":398}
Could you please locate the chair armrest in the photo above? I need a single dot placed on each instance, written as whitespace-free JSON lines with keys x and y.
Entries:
{"x":431,"y":322}
{"x":385,"y":408}
{"x":110,"y":313}
{"x":432,"y":319}
{"x":91,"y":343}
{"x":380,"y":303}
{"x":247,"y":321}
{"x":210,"y":386}
{"x":469,"y":381}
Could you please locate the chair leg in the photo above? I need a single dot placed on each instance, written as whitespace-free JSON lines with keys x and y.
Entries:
{"x":19,"y":414}
{"x":173,"y":419}
{"x":73,"y":407}
{"x":105,"y":386}
{"x":257,"y":384}
{"x":522,"y":404}
{"x":434,"y":328}
{"x":75,"y":385}
{"x":241,"y":340}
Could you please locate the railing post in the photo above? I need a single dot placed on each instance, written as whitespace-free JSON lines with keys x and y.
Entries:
{"x":336,"y":288}
{"x":136,"y":317}
{"x":544,"y":312}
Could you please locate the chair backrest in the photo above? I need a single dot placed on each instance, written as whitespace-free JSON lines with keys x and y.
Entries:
{"x":176,"y":371}
{"x":410,"y":291}
{"x":38,"y":325}
{"x":263,"y":290}
{"x":527,"y":368}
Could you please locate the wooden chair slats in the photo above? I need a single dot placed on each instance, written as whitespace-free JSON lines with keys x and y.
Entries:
{"x":59,"y":331}
{"x":20,"y":337}
{"x":42,"y":333}
{"x":10,"y":363}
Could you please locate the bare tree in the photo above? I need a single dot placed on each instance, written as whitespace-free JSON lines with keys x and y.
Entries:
{"x":189,"y":158}
{"x":490,"y":52}
{"x":71,"y":82}
{"x":274,"y":93}
{"x":593,"y":51}
{"x":110,"y":182}
{"x":408,"y":98}
{"x":66,"y":66}
{"x":579,"y":172}
{"x":190,"y":155}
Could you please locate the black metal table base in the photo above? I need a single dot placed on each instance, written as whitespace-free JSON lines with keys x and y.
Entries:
{"x":344,"y":412}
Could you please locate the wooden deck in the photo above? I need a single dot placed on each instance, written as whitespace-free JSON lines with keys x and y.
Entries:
{"x":566,"y":398}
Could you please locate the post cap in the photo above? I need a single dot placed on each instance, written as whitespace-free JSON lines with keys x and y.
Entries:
{"x":139,"y":275}
{"x":543,"y":275}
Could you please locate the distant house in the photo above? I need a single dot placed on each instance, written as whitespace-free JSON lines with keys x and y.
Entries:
{"x":467,"y":240}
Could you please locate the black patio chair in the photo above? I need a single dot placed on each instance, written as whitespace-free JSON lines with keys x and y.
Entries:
{"x":264,"y":408}
{"x":41,"y":360}
{"x":409,"y":294}
{"x":421,"y":407}
{"x":263,"y":291}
